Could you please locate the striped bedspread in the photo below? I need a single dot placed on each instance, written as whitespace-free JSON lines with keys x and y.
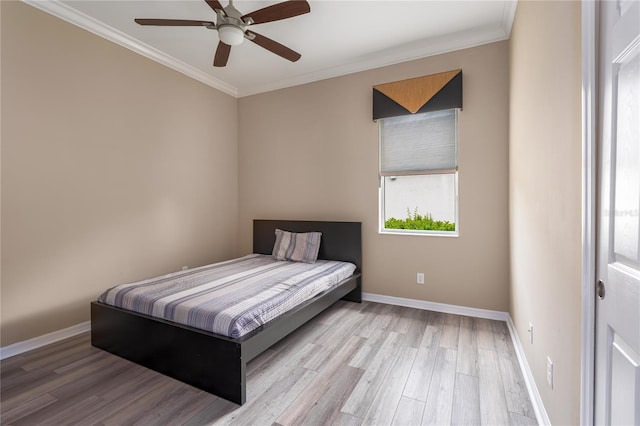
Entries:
{"x":232,"y":297}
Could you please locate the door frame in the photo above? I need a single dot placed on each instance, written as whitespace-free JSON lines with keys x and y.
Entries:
{"x":590,"y":19}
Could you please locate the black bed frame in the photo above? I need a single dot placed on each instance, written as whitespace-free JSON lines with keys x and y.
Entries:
{"x":213,"y":362}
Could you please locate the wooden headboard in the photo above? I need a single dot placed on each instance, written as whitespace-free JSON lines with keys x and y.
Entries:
{"x":340,"y":240}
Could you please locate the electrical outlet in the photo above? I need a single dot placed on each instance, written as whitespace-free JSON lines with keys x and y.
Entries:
{"x":550,"y":372}
{"x":184,"y":268}
{"x":420,"y":278}
{"x":531,"y":333}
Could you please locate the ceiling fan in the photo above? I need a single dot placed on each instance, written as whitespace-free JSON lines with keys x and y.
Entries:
{"x":232,"y":27}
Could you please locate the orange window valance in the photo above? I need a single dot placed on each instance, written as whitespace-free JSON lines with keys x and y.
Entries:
{"x":416,"y":95}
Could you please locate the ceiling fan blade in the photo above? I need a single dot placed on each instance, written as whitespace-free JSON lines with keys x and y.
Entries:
{"x":175,"y":22}
{"x":274,"y":46}
{"x":222,"y":55}
{"x":276,"y":12}
{"x":215,"y":5}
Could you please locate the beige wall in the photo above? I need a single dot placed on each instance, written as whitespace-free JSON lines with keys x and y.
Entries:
{"x":544,"y":196}
{"x":114,"y":168}
{"x":311,"y":152}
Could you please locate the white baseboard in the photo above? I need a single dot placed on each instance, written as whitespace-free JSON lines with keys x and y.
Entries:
{"x":534,"y":395}
{"x":47,"y":339}
{"x":438,"y":307}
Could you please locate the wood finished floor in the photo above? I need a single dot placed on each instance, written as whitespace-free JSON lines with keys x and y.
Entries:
{"x":369,"y":363}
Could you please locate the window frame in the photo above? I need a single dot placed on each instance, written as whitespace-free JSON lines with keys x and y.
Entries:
{"x":381,"y":191}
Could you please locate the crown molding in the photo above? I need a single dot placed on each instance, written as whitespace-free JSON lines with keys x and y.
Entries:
{"x":66,"y":13}
{"x":409,"y":52}
{"x":508,"y":15}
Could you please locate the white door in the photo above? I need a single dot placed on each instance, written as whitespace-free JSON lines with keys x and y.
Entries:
{"x":617,"y":372}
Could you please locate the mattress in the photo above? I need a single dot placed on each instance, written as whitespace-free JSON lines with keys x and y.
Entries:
{"x":230,"y":298}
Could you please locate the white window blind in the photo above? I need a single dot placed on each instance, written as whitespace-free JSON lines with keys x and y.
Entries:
{"x":419,"y":144}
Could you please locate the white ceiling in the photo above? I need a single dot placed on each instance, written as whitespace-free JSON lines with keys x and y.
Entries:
{"x":338,"y":37}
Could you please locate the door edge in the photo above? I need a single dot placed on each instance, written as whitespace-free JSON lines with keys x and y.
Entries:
{"x":590,"y":15}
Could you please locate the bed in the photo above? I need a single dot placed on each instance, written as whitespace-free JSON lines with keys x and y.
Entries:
{"x":214,"y":362}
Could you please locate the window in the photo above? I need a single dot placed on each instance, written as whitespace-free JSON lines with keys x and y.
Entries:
{"x":419,"y":173}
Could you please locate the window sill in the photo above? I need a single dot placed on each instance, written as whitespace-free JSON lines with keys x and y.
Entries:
{"x":418,"y":233}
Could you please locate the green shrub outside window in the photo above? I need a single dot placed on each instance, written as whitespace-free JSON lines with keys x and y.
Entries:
{"x":416,"y":221}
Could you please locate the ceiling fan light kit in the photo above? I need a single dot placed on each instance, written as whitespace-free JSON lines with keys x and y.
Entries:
{"x":231,"y":35}
{"x":232,"y":27}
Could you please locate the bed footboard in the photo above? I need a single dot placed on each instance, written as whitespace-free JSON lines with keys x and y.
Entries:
{"x":204,"y":360}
